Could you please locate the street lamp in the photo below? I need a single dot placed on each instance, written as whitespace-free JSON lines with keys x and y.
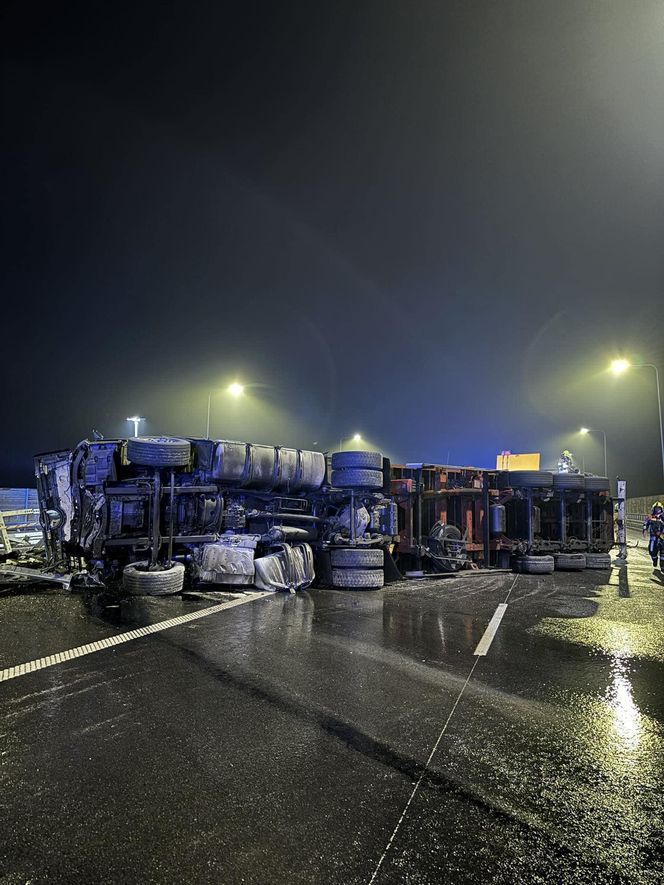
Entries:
{"x":587,"y":430}
{"x":621,"y":365}
{"x":356,"y":438}
{"x":235,"y":390}
{"x":136,"y":419}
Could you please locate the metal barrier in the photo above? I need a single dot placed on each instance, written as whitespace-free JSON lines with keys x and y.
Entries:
{"x":7,"y":528}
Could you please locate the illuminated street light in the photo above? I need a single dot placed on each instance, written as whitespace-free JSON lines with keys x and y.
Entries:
{"x":585,"y":431}
{"x":620,"y":366}
{"x":356,"y":438}
{"x":235,"y":390}
{"x":136,"y":419}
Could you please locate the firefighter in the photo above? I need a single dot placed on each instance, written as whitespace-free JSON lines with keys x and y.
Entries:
{"x":566,"y":463}
{"x":654,"y":524}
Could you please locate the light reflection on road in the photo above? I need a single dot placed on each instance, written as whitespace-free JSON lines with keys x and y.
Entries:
{"x":626,"y":714}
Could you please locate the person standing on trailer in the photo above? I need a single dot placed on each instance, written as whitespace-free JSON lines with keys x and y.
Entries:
{"x":654,"y":524}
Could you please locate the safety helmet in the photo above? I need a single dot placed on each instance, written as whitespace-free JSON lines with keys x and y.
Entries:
{"x":657,"y":507}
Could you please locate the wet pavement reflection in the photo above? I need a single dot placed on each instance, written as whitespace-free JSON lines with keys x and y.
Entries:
{"x":280,"y":740}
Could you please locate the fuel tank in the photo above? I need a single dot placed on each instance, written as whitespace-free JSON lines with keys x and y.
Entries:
{"x":252,"y":466}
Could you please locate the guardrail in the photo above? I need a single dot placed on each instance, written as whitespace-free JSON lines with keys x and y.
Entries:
{"x":8,"y":529}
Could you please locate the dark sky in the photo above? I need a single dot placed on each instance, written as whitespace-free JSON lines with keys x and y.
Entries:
{"x":433,"y":223}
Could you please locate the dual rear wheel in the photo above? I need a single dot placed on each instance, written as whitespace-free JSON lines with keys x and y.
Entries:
{"x":357,"y":569}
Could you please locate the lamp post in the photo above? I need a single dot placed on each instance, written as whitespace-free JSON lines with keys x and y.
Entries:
{"x":356,"y":437}
{"x":585,"y":431}
{"x":621,"y":365}
{"x":235,"y":390}
{"x":135,"y":419}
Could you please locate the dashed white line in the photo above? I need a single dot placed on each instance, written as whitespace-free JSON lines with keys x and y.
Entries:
{"x":485,"y":642}
{"x":118,"y":639}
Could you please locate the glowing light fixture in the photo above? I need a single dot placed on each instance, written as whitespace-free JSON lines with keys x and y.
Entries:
{"x":136,"y":419}
{"x":235,"y":390}
{"x":585,"y":431}
{"x":356,"y":438}
{"x":619,"y":366}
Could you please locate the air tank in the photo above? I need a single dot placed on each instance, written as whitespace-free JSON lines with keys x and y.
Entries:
{"x":497,"y":519}
{"x":263,"y":467}
{"x":312,"y":469}
{"x":537,"y":520}
{"x":229,"y":463}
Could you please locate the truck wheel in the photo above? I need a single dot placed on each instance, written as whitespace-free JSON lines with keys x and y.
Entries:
{"x":525,"y":479}
{"x":353,"y":558}
{"x":597,"y":484}
{"x":569,"y":562}
{"x":534,"y":565}
{"x":137,"y":580}
{"x":356,"y":478}
{"x":158,"y":451}
{"x":598,"y":560}
{"x":357,"y":579}
{"x":366,"y":460}
{"x":446,"y":548}
{"x":571,"y":481}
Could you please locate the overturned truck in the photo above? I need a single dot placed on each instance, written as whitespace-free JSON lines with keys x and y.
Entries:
{"x":159,"y":511}
{"x":156,"y":511}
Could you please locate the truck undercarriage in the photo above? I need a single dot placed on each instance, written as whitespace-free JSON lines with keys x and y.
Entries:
{"x":231,"y":512}
{"x":154,"y":510}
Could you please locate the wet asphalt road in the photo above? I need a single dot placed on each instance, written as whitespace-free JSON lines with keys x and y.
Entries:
{"x":287,"y":739}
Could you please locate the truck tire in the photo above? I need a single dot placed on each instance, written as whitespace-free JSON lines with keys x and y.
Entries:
{"x":571,"y":481}
{"x":569,"y":562}
{"x":597,"y":484}
{"x":138,"y":581}
{"x":598,"y":560}
{"x":534,"y":565}
{"x":356,"y":478}
{"x":349,"y":557}
{"x":525,"y":479}
{"x":366,"y":460}
{"x":158,"y":451}
{"x":446,"y":548}
{"x":357,"y":579}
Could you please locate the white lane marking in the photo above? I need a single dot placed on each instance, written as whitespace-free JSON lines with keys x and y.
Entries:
{"x":485,"y":642}
{"x":421,"y":777}
{"x":100,"y":645}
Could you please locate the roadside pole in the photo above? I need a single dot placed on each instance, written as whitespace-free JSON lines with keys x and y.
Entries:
{"x":622,"y":539}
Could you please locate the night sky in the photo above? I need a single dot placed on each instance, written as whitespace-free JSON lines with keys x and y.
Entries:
{"x":432,"y":223}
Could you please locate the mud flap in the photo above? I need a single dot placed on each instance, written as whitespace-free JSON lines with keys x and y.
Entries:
{"x":392,"y":573}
